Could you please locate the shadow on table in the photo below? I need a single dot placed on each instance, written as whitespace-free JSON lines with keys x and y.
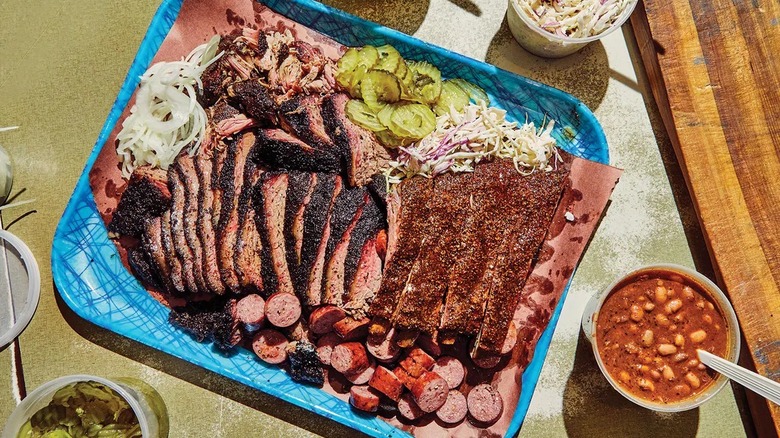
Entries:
{"x":592,"y":408}
{"x":402,"y":15}
{"x":584,"y":74}
{"x":203,"y":378}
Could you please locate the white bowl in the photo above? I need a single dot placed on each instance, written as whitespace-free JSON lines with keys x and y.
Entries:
{"x":145,"y":402}
{"x":542,"y":43}
{"x":590,"y":317}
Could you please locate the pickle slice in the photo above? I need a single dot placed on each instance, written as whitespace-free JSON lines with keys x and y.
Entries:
{"x":345,"y":66}
{"x":427,"y":82}
{"x":385,"y":113}
{"x":452,"y":96}
{"x":389,"y":58}
{"x":362,"y":115}
{"x":388,"y":139}
{"x":355,"y":79}
{"x":368,"y":57}
{"x":412,"y":121}
{"x":475,"y":92}
{"x":379,"y":87}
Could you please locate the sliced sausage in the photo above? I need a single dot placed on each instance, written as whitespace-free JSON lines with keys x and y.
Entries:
{"x":270,"y":346}
{"x":417,"y":362}
{"x":429,"y":344}
{"x":408,"y":408}
{"x":325,"y":347}
{"x":364,"y":398}
{"x":511,"y":339}
{"x":282,"y":309}
{"x":451,"y":370}
{"x":298,"y":331}
{"x":387,"y":383}
{"x":322,"y":319}
{"x":406,"y":379}
{"x":364,"y":376}
{"x":383,"y":347}
{"x":485,"y":403}
{"x":352,"y":329}
{"x":430,"y":391}
{"x":349,"y":358}
{"x":454,"y":409}
{"x":250,"y":310}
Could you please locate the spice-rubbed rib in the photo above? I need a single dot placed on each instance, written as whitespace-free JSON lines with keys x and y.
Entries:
{"x":422,"y":307}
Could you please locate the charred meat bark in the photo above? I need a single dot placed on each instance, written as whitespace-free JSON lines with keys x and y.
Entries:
{"x":146,"y":196}
{"x":316,"y":231}
{"x":269,"y":204}
{"x":254,"y":100}
{"x":181,"y":249}
{"x":247,"y":258}
{"x":344,"y":219}
{"x":300,"y":187}
{"x":302,"y":116}
{"x":363,"y":154}
{"x":282,"y":150}
{"x":204,"y":166}
{"x":185,"y":166}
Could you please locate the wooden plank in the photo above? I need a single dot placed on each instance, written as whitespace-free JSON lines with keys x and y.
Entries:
{"x":714,"y":68}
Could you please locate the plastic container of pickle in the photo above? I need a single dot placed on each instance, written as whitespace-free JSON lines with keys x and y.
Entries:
{"x":146,"y":403}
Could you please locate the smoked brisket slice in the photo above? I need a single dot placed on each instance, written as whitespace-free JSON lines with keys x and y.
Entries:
{"x":365,"y":282}
{"x":247,"y":258}
{"x":536,"y":198}
{"x":151,"y":244}
{"x":372,"y":220}
{"x":166,"y":235}
{"x":269,"y":203}
{"x":181,"y":249}
{"x":254,"y":100}
{"x":363,"y":154}
{"x":302,"y":116}
{"x":300,"y":186}
{"x":204,"y":167}
{"x":146,"y":196}
{"x":231,"y":184}
{"x":341,"y":234}
{"x":142,"y":266}
{"x":316,"y":231}
{"x":407,"y":214}
{"x":282,"y":150}
{"x":185,"y":166}
{"x":211,"y":320}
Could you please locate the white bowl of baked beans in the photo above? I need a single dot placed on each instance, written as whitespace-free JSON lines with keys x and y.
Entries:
{"x":645,"y":329}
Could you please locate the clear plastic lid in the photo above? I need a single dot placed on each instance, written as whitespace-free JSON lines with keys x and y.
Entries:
{"x":20,"y":287}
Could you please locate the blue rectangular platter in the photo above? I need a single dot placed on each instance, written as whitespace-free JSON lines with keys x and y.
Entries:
{"x":93,"y":282}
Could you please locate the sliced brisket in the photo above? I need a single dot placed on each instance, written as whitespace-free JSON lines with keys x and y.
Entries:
{"x":316,"y":231}
{"x":204,"y":167}
{"x":366,"y":281}
{"x":282,"y":150}
{"x":270,"y":199}
{"x":146,"y":196}
{"x":166,"y":235}
{"x":350,"y":201}
{"x":302,"y":116}
{"x":153,"y":246}
{"x":182,"y":250}
{"x":300,"y":187}
{"x":363,"y":154}
{"x":185,"y":166}
{"x":247,"y":258}
{"x":254,"y":100}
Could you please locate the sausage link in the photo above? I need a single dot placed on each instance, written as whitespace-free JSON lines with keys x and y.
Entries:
{"x":430,"y":391}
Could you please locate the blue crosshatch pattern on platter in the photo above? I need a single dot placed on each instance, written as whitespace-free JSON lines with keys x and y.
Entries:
{"x":92,"y":280}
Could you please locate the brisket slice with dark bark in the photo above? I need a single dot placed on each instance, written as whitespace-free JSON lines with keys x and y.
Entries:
{"x":351,"y":200}
{"x":231,"y":183}
{"x":407,"y":216}
{"x":282,"y":150}
{"x":316,"y":231}
{"x":254,"y":100}
{"x":143,"y":267}
{"x":146,"y":196}
{"x":181,"y":249}
{"x":302,"y":116}
{"x":300,"y":186}
{"x":363,"y":266}
{"x":151,"y":244}
{"x":185,"y":166}
{"x":247,"y":258}
{"x":211,"y":320}
{"x":270,"y":200}
{"x":363,"y":154}
{"x":449,"y":208}
{"x":166,"y":234}
{"x":204,"y":166}
{"x":535,"y":198}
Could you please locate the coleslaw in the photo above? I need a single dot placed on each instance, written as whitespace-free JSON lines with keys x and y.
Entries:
{"x":573,"y":18}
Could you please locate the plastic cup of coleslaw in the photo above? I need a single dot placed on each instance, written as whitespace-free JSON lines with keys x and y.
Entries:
{"x":145,"y":402}
{"x":548,"y":45}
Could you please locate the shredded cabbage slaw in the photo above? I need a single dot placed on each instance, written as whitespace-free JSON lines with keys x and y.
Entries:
{"x":463,"y":139}
{"x":166,"y":116}
{"x":573,"y":18}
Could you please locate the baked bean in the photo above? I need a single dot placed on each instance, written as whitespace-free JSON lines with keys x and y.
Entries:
{"x":644,"y":369}
{"x":666,"y":349}
{"x":655,"y":374}
{"x":647,"y":385}
{"x":673,"y":306}
{"x":660,"y":295}
{"x":673,"y":327}
{"x":680,"y":316}
{"x":662,"y":320}
{"x":679,"y":357}
{"x":707,"y":319}
{"x":668,"y":373}
{"x":647,"y":338}
{"x":648,"y":306}
{"x":698,"y":336}
{"x":710,"y":306}
{"x":624,"y":376}
{"x":636,"y":313}
{"x":700,"y":305}
{"x":633,"y":328}
{"x":693,"y":380}
{"x":679,"y":340}
{"x":682,"y":390}
{"x":701,"y":367}
{"x":692,"y":363}
{"x":688,"y":293}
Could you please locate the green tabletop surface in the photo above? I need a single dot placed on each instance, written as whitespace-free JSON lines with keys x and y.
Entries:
{"x":61,"y":66}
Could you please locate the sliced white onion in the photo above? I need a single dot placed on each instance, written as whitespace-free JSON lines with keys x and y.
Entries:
{"x":166,"y":116}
